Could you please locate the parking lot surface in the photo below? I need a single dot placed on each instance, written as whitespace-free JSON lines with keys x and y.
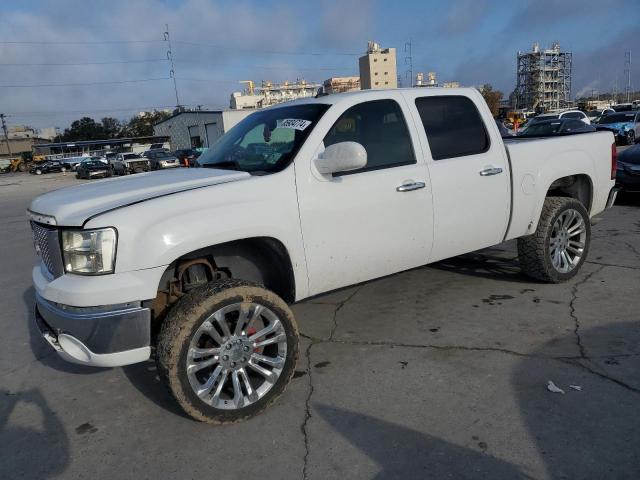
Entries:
{"x":438,"y":372}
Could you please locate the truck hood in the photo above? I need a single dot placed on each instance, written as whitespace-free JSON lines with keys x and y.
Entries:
{"x":73,"y":206}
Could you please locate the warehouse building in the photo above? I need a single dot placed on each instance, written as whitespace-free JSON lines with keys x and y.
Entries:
{"x":198,"y":128}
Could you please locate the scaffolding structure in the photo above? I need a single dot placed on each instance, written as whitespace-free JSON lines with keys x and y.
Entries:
{"x":544,"y":79}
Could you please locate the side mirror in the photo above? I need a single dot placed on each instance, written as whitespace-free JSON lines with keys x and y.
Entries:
{"x":341,"y":157}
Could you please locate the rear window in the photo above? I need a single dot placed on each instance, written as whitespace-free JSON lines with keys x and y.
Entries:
{"x":453,"y":126}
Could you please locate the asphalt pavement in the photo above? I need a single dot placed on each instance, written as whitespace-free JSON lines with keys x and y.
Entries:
{"x":438,"y":372}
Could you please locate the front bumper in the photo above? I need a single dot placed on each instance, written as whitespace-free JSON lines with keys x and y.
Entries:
{"x":105,"y":336}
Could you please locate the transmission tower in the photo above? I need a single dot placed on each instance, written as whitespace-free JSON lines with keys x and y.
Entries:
{"x":627,"y":73}
{"x":172,"y":72}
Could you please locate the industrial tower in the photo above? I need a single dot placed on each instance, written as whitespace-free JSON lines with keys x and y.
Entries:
{"x":544,"y":79}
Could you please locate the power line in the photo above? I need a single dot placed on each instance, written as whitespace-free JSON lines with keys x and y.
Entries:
{"x":97,"y":42}
{"x":105,"y":110}
{"x":75,"y":64}
{"x":35,"y":85}
{"x":268,"y":52}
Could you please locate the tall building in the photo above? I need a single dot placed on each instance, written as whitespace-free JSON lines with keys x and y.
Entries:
{"x":378,"y":68}
{"x":543,"y":79}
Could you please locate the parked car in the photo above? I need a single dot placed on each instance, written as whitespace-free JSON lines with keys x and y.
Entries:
{"x":160,"y":159}
{"x":47,"y":167}
{"x":296,"y":200}
{"x":561,"y":126}
{"x":625,"y":126}
{"x":126,"y":163}
{"x":596,"y":115}
{"x":94,"y":167}
{"x":628,"y":172}
{"x":71,"y":163}
{"x":575,"y":114}
{"x":187,"y":156}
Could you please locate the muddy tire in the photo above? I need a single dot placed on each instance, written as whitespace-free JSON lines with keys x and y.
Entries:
{"x":560,"y":244}
{"x":227,"y":350}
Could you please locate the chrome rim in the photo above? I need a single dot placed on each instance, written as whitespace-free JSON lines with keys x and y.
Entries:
{"x":568,"y":239}
{"x":236,"y":356}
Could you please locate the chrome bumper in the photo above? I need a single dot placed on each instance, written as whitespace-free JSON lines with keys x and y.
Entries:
{"x":107,"y":336}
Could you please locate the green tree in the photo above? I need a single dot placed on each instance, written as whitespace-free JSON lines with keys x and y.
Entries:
{"x":492,"y":97}
{"x":142,"y":125}
{"x":84,"y":129}
{"x":111,"y":127}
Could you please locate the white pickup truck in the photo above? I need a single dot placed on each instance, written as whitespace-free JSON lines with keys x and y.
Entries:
{"x":297,"y":200}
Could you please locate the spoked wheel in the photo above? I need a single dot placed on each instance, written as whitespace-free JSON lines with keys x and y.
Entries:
{"x":559,"y":246}
{"x":568,"y":239}
{"x":227,"y":350}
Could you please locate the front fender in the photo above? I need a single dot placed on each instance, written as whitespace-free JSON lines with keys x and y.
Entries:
{"x":157,"y":232}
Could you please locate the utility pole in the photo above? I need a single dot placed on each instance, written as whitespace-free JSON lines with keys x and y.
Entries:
{"x":172,"y":72}
{"x":627,"y":72}
{"x":408,"y":60}
{"x":6,"y":136}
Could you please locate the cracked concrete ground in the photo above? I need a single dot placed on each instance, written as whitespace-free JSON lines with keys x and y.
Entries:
{"x":438,"y":372}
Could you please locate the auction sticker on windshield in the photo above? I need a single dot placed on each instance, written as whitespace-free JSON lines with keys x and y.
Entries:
{"x":295,"y":123}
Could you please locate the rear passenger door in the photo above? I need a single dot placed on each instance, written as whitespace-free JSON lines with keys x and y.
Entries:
{"x":468,"y":167}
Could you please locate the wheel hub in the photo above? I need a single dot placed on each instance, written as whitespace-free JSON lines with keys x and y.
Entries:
{"x":236,"y":352}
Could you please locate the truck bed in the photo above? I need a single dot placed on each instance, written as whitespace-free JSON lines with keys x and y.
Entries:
{"x":535,"y":163}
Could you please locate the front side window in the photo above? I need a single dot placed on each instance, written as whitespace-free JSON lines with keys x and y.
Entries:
{"x":266,"y":141}
{"x":379,"y":126}
{"x":453,"y":126}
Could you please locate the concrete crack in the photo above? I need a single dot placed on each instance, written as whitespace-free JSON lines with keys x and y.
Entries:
{"x":572,"y":310}
{"x":338,"y":307}
{"x":601,"y":375}
{"x":307,"y":413}
{"x":612,"y":265}
{"x":633,"y":249}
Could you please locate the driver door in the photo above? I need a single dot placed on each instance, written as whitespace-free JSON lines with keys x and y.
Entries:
{"x":370,"y":222}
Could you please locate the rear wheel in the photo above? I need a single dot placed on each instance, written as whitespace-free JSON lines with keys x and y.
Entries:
{"x":560,"y":244}
{"x":227,"y":350}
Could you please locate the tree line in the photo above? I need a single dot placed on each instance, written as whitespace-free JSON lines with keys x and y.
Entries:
{"x":86,"y":128}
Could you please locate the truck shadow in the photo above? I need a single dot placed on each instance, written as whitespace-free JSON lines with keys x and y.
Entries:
{"x":144,"y":377}
{"x":589,"y":433}
{"x":402,"y":452}
{"x":594,"y":432}
{"x":27,"y":451}
{"x":488,"y":263}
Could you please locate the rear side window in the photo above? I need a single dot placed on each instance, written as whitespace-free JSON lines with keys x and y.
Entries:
{"x":379,"y":126}
{"x":453,"y":126}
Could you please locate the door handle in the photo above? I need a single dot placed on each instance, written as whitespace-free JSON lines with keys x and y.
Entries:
{"x":408,"y":187}
{"x":487,"y":172}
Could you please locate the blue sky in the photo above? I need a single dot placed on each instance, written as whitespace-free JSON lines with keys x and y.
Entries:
{"x":218,"y":43}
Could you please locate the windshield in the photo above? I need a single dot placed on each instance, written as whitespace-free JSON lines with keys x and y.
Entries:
{"x":593,"y":113}
{"x":130,"y":155}
{"x":617,"y":118}
{"x":547,"y":128}
{"x":265,"y":141}
{"x":93,"y":163}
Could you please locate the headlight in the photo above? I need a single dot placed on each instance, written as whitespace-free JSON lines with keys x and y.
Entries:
{"x":89,"y":252}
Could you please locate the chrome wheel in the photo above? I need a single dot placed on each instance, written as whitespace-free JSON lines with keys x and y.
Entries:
{"x":236,"y":355}
{"x":568,"y":240}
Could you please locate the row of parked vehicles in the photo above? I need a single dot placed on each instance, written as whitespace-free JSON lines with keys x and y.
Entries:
{"x":625,"y":125}
{"x":124,"y":163}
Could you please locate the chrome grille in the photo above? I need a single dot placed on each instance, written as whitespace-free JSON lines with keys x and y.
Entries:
{"x":48,"y":246}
